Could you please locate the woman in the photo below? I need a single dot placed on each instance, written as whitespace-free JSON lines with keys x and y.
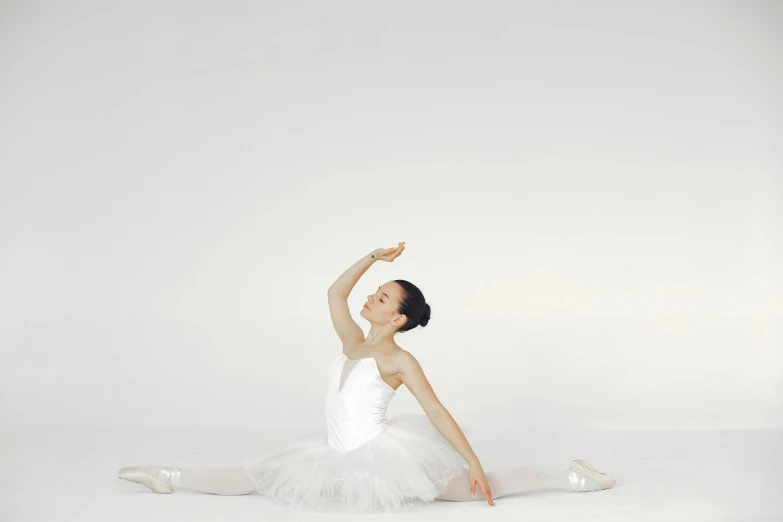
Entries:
{"x":365,"y":462}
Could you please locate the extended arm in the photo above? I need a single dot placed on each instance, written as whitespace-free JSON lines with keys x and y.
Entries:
{"x":413,"y":376}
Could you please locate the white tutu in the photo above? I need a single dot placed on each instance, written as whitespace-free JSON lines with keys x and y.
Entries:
{"x":407,"y":463}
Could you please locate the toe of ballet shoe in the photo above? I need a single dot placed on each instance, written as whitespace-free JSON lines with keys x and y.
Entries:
{"x":136,"y":474}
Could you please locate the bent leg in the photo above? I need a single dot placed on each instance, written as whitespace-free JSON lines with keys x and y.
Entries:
{"x":510,"y":481}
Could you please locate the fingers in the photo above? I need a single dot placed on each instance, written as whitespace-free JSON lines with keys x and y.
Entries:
{"x":487,"y":493}
{"x":393,"y":253}
{"x":484,"y":489}
{"x":390,"y":254}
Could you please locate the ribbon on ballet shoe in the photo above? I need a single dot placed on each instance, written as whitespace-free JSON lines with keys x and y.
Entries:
{"x":170,"y":476}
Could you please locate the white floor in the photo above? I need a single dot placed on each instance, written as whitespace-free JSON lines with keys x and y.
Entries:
{"x":66,"y":473}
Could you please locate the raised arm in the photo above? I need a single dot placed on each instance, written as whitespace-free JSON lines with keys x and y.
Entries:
{"x":344,"y":284}
{"x":346,"y":328}
{"x":338,"y":293}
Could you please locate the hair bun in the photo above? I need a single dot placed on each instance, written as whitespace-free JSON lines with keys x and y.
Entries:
{"x":425,"y":317}
{"x":412,"y":305}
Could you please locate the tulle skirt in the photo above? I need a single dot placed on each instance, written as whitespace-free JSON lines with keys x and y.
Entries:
{"x":408,"y":463}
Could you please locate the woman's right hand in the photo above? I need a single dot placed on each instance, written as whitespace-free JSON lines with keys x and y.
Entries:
{"x":389,"y":254}
{"x":477,"y":477}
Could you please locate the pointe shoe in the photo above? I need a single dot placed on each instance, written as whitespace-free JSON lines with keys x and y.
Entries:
{"x":584,"y":477}
{"x":166,"y":482}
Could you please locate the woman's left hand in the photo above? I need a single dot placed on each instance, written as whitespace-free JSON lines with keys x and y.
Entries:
{"x":389,"y":254}
{"x":477,"y":477}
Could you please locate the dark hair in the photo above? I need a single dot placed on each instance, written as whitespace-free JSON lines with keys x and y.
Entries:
{"x":413,"y":306}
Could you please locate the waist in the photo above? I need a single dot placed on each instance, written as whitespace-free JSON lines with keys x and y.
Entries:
{"x":348,"y":434}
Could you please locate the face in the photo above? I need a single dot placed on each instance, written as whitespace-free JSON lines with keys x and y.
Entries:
{"x":381,"y":307}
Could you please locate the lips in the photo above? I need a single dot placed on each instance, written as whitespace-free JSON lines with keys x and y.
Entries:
{"x":367,"y":307}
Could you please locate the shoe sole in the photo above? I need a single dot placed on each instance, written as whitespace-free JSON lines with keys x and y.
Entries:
{"x":135,"y":474}
{"x":605,"y":480}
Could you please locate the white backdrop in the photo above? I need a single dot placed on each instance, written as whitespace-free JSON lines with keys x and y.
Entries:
{"x":591,"y":200}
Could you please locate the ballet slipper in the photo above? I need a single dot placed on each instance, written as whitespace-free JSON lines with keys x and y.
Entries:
{"x":584,"y":477}
{"x":166,"y":482}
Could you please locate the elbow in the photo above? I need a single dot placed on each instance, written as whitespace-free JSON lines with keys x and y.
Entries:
{"x":335,"y":292}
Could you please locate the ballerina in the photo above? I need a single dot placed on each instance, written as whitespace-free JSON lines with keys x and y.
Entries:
{"x":365,"y":462}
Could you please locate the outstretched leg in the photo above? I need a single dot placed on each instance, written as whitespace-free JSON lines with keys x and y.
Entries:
{"x":166,"y":479}
{"x":523,"y":479}
{"x":519,"y":479}
{"x":220,"y":481}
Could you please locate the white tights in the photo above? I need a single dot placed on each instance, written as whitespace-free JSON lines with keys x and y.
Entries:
{"x":509,"y":481}
{"x":220,"y":481}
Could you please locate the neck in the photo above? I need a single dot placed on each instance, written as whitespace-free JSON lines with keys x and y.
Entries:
{"x":379,"y":334}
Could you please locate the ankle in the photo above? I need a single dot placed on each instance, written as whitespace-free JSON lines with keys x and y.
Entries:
{"x":580,"y":482}
{"x":167,"y":474}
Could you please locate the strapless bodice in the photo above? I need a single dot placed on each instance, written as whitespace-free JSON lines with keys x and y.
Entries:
{"x":356,"y":402}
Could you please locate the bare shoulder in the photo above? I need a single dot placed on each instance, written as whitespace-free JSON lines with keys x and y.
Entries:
{"x":398,"y":362}
{"x":406,"y":361}
{"x":404,"y":356}
{"x":390,"y":358}
{"x":397,"y":357}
